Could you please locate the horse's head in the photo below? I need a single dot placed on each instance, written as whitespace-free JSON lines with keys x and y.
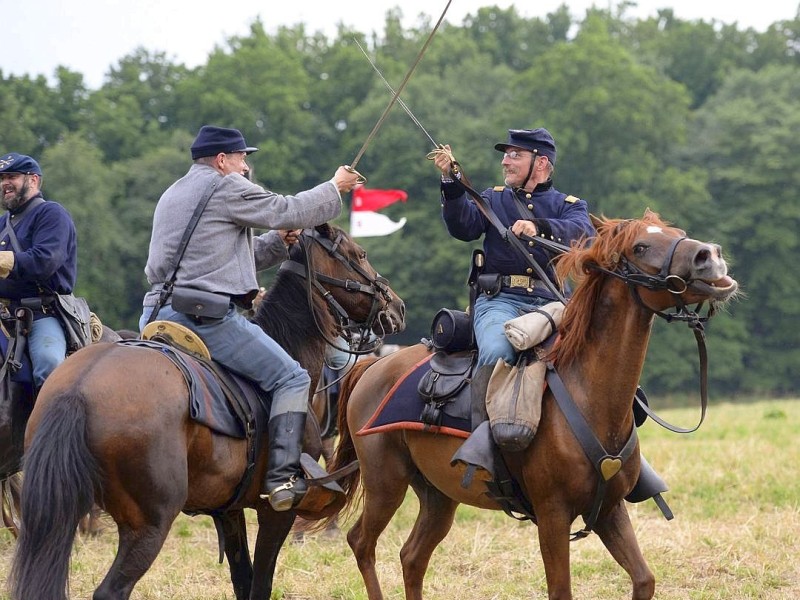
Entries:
{"x":358,"y":297}
{"x":660,"y":266}
{"x":664,"y":266}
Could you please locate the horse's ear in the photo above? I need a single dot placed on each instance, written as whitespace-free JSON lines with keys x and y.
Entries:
{"x":324,"y":230}
{"x":596,"y":221}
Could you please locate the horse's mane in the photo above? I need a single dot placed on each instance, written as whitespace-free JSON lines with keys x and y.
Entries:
{"x":284,"y":312}
{"x":614,"y":237}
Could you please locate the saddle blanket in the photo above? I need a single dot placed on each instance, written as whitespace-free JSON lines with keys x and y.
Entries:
{"x":208,"y":402}
{"x":402,"y":406}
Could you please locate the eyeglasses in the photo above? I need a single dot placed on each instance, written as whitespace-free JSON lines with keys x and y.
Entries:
{"x":515,"y":154}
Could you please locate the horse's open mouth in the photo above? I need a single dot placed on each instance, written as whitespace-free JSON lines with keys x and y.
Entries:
{"x":720,"y":289}
{"x":391,"y":323}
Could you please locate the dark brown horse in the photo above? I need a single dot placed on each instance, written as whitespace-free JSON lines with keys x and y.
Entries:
{"x":632,"y":269}
{"x":112,"y":426}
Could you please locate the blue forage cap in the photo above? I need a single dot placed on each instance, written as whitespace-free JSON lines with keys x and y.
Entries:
{"x":212,"y":140}
{"x":536,"y":140}
{"x":19,"y":163}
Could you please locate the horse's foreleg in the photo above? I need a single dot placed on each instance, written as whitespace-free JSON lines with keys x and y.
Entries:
{"x":554,"y":523}
{"x":273,"y":527}
{"x":385,"y":488}
{"x":435,"y":518}
{"x":234,"y":528}
{"x":616,"y":532}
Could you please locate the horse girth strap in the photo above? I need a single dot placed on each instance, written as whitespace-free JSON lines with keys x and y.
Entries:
{"x":606,"y":465}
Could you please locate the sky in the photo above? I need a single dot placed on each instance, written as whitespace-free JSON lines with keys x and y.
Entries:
{"x":90,"y":36}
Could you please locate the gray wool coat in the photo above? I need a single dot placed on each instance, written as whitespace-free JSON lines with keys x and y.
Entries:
{"x":223,"y":254}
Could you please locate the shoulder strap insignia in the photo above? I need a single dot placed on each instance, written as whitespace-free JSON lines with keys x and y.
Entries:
{"x":499,"y":188}
{"x":571,"y":199}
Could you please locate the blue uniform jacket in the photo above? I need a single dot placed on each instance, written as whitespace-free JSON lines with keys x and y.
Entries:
{"x":49,"y":257}
{"x":557,"y":216}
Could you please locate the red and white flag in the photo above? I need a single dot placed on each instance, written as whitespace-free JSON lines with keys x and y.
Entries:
{"x":365,"y":221}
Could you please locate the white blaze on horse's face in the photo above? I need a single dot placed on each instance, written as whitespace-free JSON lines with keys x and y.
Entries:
{"x":654,"y":229}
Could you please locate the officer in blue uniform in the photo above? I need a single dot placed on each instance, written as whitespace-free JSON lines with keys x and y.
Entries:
{"x":529,"y":205}
{"x":38,"y":257}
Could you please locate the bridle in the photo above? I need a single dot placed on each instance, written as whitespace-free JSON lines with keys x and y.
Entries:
{"x":606,"y":465}
{"x":636,"y":278}
{"x":360,"y":336}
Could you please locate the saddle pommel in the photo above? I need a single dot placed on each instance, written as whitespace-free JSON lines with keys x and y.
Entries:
{"x":177,"y":335}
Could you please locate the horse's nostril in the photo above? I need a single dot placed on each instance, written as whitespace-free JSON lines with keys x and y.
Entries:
{"x":702,"y":257}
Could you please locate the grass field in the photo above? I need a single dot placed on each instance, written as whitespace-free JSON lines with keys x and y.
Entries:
{"x":735,"y":492}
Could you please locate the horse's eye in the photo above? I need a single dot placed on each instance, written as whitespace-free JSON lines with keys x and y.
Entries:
{"x":640,"y":249}
{"x":363,"y":255}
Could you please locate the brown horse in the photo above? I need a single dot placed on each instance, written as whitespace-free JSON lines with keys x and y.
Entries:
{"x":112,"y":425}
{"x":631,"y":270}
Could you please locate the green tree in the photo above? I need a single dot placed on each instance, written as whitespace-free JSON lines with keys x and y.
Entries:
{"x":746,"y":136}
{"x":133,"y":110}
{"x":76,"y":177}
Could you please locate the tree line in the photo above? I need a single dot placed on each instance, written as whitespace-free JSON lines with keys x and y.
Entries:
{"x":696,"y":120}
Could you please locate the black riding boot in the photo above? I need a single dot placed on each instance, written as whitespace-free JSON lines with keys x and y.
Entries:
{"x":284,"y":485}
{"x":480,"y":382}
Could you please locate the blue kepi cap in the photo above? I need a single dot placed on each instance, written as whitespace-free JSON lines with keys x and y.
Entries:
{"x":536,"y":140}
{"x":212,"y":140}
{"x":19,"y":163}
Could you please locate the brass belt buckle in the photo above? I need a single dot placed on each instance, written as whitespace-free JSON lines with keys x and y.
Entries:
{"x":520,"y":281}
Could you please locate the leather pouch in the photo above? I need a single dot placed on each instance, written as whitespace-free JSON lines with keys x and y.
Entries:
{"x":199,"y":303}
{"x":490,"y":283}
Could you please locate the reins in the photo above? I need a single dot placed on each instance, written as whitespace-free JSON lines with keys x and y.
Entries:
{"x":635,"y":278}
{"x":358,"y":335}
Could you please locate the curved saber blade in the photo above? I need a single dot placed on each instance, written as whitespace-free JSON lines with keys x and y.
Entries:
{"x":402,"y":104}
{"x":399,"y":90}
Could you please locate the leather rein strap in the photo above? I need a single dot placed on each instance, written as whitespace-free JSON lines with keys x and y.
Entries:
{"x":636,"y":278}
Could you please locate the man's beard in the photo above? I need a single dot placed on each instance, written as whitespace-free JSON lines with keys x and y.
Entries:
{"x":18,"y":199}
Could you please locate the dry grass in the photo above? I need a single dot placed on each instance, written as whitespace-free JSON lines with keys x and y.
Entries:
{"x":735,"y":492}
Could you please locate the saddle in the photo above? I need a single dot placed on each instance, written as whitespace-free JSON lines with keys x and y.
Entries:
{"x":233,"y":405}
{"x":446,"y":383}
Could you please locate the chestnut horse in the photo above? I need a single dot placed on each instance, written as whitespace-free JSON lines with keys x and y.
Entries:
{"x":632,"y":270}
{"x":112,"y":426}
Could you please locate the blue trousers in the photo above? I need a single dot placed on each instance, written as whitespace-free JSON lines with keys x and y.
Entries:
{"x":47,"y":348}
{"x":490,"y":315}
{"x":245,"y":348}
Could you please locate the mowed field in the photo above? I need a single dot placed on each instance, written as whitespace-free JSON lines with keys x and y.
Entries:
{"x":735,"y":492}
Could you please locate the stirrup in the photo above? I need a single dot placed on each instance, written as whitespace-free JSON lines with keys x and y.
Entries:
{"x":279,"y":499}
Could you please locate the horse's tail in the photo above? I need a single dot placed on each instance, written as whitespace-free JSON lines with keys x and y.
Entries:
{"x":345,"y":452}
{"x":60,"y":475}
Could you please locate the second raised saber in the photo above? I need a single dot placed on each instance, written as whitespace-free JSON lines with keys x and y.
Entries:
{"x":402,"y":104}
{"x":399,"y":90}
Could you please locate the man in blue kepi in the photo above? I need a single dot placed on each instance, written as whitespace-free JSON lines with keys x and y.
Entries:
{"x":38,"y":257}
{"x":529,"y":205}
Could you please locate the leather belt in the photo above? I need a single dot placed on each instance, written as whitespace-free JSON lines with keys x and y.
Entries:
{"x":522,"y":281}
